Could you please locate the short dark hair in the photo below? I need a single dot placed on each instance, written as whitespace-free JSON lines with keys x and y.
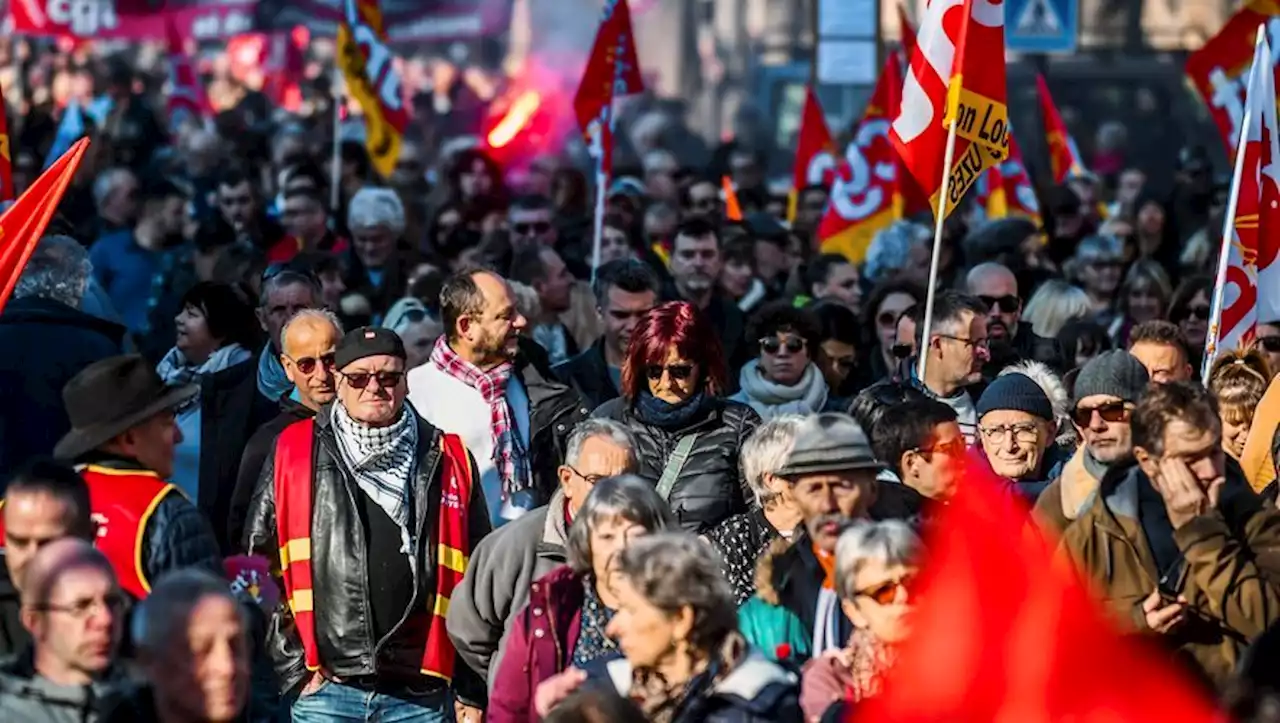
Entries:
{"x":234,"y":176}
{"x":871,"y":404}
{"x":60,"y":481}
{"x":948,"y":308}
{"x":907,"y":426}
{"x":697,"y":227}
{"x":836,"y":322}
{"x":630,"y":275}
{"x":1163,"y":403}
{"x":228,"y":312}
{"x":529,"y":202}
{"x":818,"y":270}
{"x":1158,"y":331}
{"x":882,"y":291}
{"x":779,"y":316}
{"x":739,"y":249}
{"x":158,"y":190}
{"x":526,"y":264}
{"x":311,"y":194}
{"x":459,"y":297}
{"x":213,"y":233}
{"x":239,"y":263}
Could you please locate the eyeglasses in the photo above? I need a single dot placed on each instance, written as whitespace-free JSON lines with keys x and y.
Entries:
{"x":901,"y":351}
{"x":887,"y":592}
{"x":975,"y":343}
{"x":386,"y":380}
{"x":590,"y":479}
{"x":1025,"y":432}
{"x":1006,"y":304}
{"x":772,"y":344}
{"x":887,"y":318}
{"x":1270,"y":343}
{"x":536,"y":228}
{"x":1199,"y":312}
{"x":954,"y":448}
{"x":83,"y":608}
{"x":307,"y":364}
{"x":678,"y":372}
{"x":1111,"y":412}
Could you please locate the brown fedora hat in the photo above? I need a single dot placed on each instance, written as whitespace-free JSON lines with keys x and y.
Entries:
{"x":110,"y":397}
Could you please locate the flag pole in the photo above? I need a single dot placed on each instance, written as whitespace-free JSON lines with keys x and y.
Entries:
{"x":602,"y":181}
{"x":1228,"y":228}
{"x":926,"y":322}
{"x":335,"y":171}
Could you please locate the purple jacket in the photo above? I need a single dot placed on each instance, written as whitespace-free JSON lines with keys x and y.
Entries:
{"x":539,"y":645}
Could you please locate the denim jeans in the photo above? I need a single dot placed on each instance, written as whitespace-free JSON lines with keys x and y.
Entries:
{"x":337,"y":702}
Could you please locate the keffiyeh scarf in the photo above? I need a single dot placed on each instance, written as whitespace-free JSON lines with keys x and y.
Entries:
{"x":509,"y":455}
{"x":382,"y":460}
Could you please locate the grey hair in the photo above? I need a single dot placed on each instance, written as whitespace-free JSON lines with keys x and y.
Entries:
{"x":615,"y":432}
{"x":106,"y":182}
{"x":893,"y":542}
{"x":1055,"y":304}
{"x":891,"y":248}
{"x":289,"y":277}
{"x":628,"y":496}
{"x":313,"y":315}
{"x":397,"y":318}
{"x":676,"y":570}
{"x":766,"y":451}
{"x":156,"y":620}
{"x":374,"y":206}
{"x":58,"y":269}
{"x":1053,"y":388}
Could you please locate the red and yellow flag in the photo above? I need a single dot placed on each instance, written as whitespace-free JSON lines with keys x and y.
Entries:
{"x":864,"y":194}
{"x":1006,"y":189}
{"x":22,"y":225}
{"x":815,"y":151}
{"x":1219,"y":69}
{"x":369,"y":68}
{"x":6,"y":162}
{"x":1064,"y":156}
{"x":957,"y":77}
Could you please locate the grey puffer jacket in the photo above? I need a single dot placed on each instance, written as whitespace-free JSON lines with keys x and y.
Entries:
{"x":27,"y":698}
{"x":710,"y":487}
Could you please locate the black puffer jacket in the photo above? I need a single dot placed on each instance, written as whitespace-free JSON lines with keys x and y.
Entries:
{"x":340,"y":573}
{"x":710,"y":488}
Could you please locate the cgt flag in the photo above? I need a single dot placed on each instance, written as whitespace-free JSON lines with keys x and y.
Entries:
{"x":612,"y":71}
{"x":369,"y":68}
{"x":815,"y":151}
{"x":1219,"y":68}
{"x":22,"y":225}
{"x":956,"y":80}
{"x":1064,"y":156}
{"x":1005,"y":190}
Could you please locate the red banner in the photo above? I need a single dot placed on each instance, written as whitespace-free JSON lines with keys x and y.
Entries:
{"x":407,"y":21}
{"x":131,"y":19}
{"x":1220,"y":69}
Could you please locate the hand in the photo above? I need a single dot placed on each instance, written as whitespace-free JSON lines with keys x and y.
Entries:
{"x":313,"y":684}
{"x":1163,"y":616}
{"x":1184,"y":499}
{"x":555,"y":689}
{"x":464,"y":713}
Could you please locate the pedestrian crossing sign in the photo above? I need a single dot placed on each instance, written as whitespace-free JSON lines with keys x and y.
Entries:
{"x":1042,"y":26}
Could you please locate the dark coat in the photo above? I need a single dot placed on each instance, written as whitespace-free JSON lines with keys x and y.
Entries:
{"x":339,"y":569}
{"x":13,"y":637}
{"x":48,"y":343}
{"x":1026,"y":346}
{"x":554,"y":410}
{"x":541,"y":643}
{"x":741,"y":540}
{"x":588,"y":374}
{"x":710,"y":488}
{"x":256,"y":450}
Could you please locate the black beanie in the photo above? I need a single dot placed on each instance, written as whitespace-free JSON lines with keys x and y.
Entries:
{"x":1018,"y":392}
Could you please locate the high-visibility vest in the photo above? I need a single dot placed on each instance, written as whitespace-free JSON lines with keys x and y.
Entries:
{"x":121,"y":502}
{"x":294,"y":477}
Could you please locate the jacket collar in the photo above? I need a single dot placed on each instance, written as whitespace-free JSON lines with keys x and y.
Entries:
{"x":555,"y":531}
{"x":1117,"y":515}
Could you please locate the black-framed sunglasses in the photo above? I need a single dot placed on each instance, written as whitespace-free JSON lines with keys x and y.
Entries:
{"x":1270,"y":343}
{"x":1006,"y":304}
{"x":535,"y":228}
{"x":1200,"y":313}
{"x":679,"y":372}
{"x":307,"y":364}
{"x":901,"y":351}
{"x":772,"y":344}
{"x":386,"y":380}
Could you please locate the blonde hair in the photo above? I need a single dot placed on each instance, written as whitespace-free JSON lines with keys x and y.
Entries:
{"x":1055,"y":304}
{"x":1238,"y":379}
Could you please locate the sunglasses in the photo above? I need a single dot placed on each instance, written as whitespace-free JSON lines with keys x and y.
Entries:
{"x":772,"y":345}
{"x":1111,"y":412}
{"x":1270,"y":343}
{"x":887,"y":592}
{"x":679,"y":372}
{"x":887,"y":318}
{"x":901,"y":351}
{"x":1199,"y":312}
{"x":307,"y":364}
{"x":536,"y":228}
{"x":1006,"y":304}
{"x":386,"y":380}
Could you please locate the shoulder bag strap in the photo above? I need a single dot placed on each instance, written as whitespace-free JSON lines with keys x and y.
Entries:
{"x":675,"y":464}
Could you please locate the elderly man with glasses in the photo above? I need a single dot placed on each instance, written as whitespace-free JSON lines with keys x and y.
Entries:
{"x":1017,"y":428}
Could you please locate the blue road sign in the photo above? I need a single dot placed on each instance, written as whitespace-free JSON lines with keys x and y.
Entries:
{"x":1041,"y":26}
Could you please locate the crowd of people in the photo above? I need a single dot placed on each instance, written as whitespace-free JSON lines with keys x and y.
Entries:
{"x":410,"y":457}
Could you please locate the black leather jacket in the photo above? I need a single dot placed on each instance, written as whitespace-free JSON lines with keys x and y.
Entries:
{"x":554,"y":410}
{"x":710,"y":487}
{"x":340,"y":578}
{"x":588,"y":373}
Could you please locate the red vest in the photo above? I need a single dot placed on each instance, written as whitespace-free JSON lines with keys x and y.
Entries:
{"x":121,"y":503}
{"x":294,"y":468}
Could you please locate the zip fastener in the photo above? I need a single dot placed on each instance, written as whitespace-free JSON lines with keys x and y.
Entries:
{"x":335,"y":455}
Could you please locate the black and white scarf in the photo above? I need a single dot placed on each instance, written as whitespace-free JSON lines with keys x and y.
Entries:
{"x":383,"y":461}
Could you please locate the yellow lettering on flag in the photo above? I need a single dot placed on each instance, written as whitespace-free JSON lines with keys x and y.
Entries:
{"x":978,"y":119}
{"x":969,"y":167}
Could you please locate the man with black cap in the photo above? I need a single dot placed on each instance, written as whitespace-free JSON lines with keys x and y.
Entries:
{"x":122,"y":439}
{"x":1106,"y":391}
{"x":371,"y":514}
{"x":1016,"y":427}
{"x":832,"y":473}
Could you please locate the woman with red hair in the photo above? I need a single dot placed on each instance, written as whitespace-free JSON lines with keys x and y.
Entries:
{"x":687,"y":434}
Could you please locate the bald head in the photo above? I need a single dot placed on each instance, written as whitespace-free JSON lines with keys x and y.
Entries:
{"x":57,"y":560}
{"x":481,"y":321}
{"x":996,"y":285}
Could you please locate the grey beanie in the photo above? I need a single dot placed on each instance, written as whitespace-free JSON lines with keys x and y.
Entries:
{"x":829,"y":442}
{"x":1115,"y":373}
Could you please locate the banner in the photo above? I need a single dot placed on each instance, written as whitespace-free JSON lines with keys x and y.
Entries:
{"x":815,"y":151}
{"x":135,"y":20}
{"x":407,"y":21}
{"x":1219,"y":70}
{"x":186,"y":102}
{"x":1005,"y":190}
{"x":368,"y":66}
{"x":1064,"y":156}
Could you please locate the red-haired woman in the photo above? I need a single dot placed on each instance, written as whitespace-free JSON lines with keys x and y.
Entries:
{"x":687,"y":434}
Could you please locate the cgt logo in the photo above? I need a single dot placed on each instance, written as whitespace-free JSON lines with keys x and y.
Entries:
{"x":83,"y":18}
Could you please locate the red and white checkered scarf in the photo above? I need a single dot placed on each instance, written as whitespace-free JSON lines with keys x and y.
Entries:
{"x":508,"y":453}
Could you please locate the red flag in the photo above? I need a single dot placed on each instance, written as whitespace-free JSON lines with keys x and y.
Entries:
{"x":187,"y":101}
{"x":612,"y":68}
{"x":368,"y":64}
{"x":815,"y":151}
{"x":908,"y":33}
{"x":958,"y":76}
{"x":6,"y":158}
{"x":22,"y":225}
{"x":283,"y":62}
{"x":1219,"y":67}
{"x":1005,"y":190}
{"x":864,"y":195}
{"x":1064,"y":157}
{"x":1005,"y":631}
